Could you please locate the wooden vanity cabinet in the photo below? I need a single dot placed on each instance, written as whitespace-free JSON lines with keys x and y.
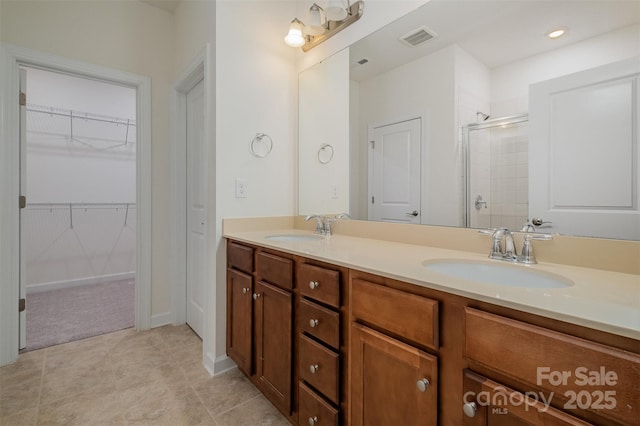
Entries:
{"x":321,"y":357}
{"x":240,"y":305}
{"x":393,"y":382}
{"x":260,"y":319}
{"x":333,"y":346}
{"x":488,"y":403}
{"x":576,"y":375}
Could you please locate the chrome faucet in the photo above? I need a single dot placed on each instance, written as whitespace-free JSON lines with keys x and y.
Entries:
{"x":320,"y":227}
{"x":506,"y":251}
{"x":323,"y":224}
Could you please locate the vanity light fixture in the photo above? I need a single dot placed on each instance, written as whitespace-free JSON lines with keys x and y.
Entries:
{"x":558,"y":32}
{"x":323,"y":23}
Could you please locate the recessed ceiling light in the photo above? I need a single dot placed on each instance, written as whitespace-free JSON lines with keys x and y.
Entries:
{"x":558,"y":32}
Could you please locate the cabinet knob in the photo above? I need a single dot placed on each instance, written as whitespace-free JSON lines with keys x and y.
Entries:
{"x":470,"y":409}
{"x":245,"y":290}
{"x":313,"y":420}
{"x":422,"y":385}
{"x":313,"y":323}
{"x":313,"y":285}
{"x":313,"y":368}
{"x":256,"y":296}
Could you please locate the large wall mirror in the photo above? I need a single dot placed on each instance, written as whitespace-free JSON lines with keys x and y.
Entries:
{"x":465,"y":113}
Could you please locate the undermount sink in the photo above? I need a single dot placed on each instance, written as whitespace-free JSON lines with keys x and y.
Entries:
{"x":505,"y":274}
{"x":294,"y":237}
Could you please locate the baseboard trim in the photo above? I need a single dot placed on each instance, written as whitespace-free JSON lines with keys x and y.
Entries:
{"x":219,"y":365}
{"x":162,"y":319}
{"x":55,"y":285}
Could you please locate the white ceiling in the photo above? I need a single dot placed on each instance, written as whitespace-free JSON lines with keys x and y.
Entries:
{"x":168,"y":5}
{"x":496,"y":32}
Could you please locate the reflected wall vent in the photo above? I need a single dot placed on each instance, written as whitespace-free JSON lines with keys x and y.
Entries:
{"x":418,"y":36}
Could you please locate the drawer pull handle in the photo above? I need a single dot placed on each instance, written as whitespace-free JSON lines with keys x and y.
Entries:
{"x":313,"y":323}
{"x":256,"y":296}
{"x":313,"y":285}
{"x":314,"y":368}
{"x":470,"y":409}
{"x":313,"y":420}
{"x":422,"y":385}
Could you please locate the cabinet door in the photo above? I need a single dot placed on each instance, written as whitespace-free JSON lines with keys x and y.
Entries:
{"x":388,"y":381}
{"x":273,"y":336}
{"x":239,"y":318}
{"x":487,"y":403}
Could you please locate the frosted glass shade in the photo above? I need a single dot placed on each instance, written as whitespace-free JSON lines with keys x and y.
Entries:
{"x":316,"y":21}
{"x":295,"y":38}
{"x":336,"y":10}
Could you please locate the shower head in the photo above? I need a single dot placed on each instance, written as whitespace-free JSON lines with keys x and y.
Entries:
{"x":482,"y":115}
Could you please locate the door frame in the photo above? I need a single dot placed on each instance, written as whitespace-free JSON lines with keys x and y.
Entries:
{"x":199,"y":69}
{"x":11,"y":58}
{"x":423,"y":155}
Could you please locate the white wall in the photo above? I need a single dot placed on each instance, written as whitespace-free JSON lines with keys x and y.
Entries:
{"x":510,"y":83}
{"x":129,"y":36}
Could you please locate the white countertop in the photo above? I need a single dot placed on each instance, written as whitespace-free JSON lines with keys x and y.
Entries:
{"x":603,"y":300}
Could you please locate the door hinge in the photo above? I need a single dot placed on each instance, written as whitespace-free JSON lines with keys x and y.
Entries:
{"x":23,"y":202}
{"x":22,"y":305}
{"x":373,"y":199}
{"x":23,"y":99}
{"x":373,"y":144}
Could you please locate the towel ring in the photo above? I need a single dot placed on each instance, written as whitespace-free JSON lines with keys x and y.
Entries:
{"x":258,"y":138}
{"x":323,"y":147}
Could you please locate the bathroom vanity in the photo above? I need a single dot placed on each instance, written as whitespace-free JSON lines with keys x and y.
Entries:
{"x":356,"y":331}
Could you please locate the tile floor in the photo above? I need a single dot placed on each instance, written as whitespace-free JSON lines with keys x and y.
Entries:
{"x":128,"y":378}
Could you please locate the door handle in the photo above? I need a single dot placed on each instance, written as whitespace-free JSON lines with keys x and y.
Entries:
{"x":413,"y":213}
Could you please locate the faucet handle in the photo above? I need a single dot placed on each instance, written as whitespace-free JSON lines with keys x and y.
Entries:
{"x":496,"y":241}
{"x":527,"y":256}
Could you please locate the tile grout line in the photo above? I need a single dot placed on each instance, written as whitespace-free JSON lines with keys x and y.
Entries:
{"x":44,"y":364}
{"x":194,"y":391}
{"x":241,"y":404}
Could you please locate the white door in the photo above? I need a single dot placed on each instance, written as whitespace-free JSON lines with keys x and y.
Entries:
{"x":196,"y":209}
{"x":584,"y":154}
{"x":394,"y":172}
{"x":23,"y":192}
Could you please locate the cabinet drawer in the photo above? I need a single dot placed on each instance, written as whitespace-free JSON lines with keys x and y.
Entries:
{"x":320,"y":322}
{"x":313,"y":409}
{"x":320,"y":284}
{"x":566,"y":365}
{"x":240,"y":257}
{"x":275,"y":270}
{"x":319,"y":367}
{"x":404,"y":314}
{"x":489,"y":403}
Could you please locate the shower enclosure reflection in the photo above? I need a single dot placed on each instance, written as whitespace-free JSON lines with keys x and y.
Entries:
{"x":497,"y":172}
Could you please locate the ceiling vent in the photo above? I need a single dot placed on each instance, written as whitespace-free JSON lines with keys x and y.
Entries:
{"x":363,"y":61}
{"x":418,"y":36}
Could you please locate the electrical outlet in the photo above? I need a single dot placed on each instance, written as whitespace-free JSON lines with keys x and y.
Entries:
{"x":241,"y":188}
{"x":334,"y":191}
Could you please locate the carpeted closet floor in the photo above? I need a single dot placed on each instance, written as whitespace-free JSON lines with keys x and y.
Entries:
{"x":74,"y":313}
